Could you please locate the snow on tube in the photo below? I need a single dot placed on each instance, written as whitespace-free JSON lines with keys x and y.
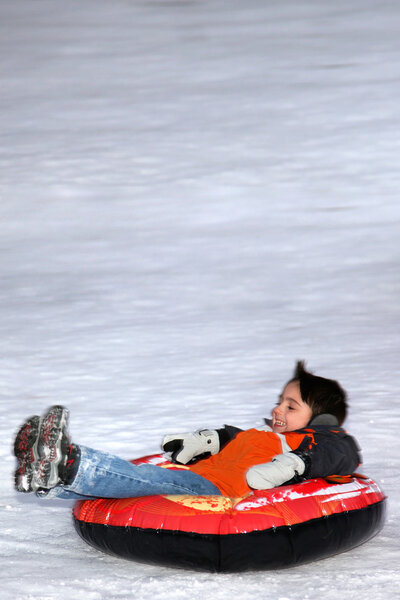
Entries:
{"x":267,"y":529}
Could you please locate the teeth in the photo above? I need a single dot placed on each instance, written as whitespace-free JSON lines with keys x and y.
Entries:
{"x":280,"y":423}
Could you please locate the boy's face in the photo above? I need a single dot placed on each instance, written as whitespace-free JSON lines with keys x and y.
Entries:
{"x":291,"y":412}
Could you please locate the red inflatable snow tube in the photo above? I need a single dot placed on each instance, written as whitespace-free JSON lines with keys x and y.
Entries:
{"x":267,"y":529}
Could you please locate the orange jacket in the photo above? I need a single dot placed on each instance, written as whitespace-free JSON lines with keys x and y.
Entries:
{"x":325,"y":451}
{"x":227,"y":469}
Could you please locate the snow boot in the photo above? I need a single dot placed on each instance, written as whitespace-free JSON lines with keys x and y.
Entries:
{"x":53,"y":448}
{"x":26,"y":451}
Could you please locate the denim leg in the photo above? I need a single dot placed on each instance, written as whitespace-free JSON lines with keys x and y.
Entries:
{"x":104,"y":475}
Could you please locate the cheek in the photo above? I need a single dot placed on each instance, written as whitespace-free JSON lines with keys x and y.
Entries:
{"x":306,"y":417}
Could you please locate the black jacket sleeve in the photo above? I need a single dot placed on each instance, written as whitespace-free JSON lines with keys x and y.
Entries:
{"x":227,"y":434}
{"x":328,"y":451}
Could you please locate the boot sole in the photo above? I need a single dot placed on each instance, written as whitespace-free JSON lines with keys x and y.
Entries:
{"x":26,"y":452}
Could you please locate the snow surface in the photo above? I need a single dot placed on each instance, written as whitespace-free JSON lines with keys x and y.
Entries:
{"x":194,"y":194}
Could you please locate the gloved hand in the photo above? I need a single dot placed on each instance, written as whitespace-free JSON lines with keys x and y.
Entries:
{"x":186,"y":446}
{"x":272,"y":474}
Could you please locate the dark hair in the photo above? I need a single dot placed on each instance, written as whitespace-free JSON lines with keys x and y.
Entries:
{"x":323,"y":396}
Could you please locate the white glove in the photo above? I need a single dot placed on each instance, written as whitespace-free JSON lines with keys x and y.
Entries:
{"x":272,"y":474}
{"x":186,"y":446}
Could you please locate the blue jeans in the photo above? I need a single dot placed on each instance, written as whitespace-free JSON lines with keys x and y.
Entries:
{"x":103,"y":475}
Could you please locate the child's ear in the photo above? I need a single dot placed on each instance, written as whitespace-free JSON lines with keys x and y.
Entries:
{"x":325,"y":419}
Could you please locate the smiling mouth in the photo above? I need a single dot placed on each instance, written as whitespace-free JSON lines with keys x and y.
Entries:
{"x":279,"y":423}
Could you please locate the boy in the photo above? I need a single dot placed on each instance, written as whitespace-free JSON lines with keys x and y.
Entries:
{"x":302,"y":441}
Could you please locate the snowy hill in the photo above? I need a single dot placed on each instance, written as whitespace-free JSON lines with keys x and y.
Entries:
{"x":193,"y":196}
